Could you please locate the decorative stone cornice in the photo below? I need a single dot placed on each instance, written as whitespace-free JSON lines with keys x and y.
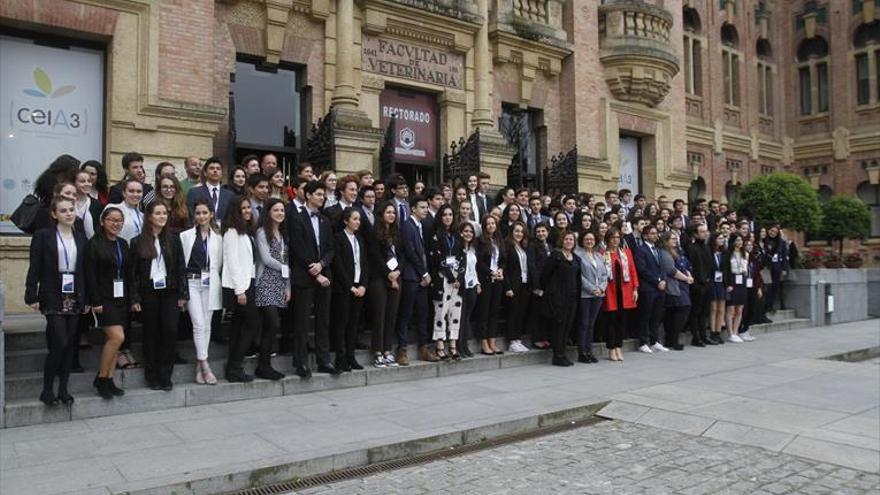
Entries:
{"x":531,"y":57}
{"x":639,"y":59}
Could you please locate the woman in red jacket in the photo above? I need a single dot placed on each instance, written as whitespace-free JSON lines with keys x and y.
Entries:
{"x":622,"y":292}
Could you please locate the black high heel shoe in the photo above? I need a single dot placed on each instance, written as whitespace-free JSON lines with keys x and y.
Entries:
{"x":65,"y":398}
{"x":49,"y":398}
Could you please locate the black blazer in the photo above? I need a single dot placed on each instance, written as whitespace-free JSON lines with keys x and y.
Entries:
{"x":43,"y":283}
{"x":175,"y":267}
{"x":438,"y":251}
{"x":727,"y":271}
{"x":334,"y":214}
{"x":702,"y":263}
{"x":343,"y":264}
{"x":380,"y":253}
{"x":513,"y":272}
{"x":203,"y":193}
{"x":537,"y":257}
{"x":304,"y":250}
{"x":484,"y":262}
{"x":101,"y":269}
{"x":561,"y":280}
{"x":414,"y":258}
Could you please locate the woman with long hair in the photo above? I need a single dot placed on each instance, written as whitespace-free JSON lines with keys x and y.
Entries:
{"x":383,"y":291}
{"x":171,"y":195}
{"x":272,"y":276}
{"x":330,"y":181}
{"x":237,"y":181}
{"x":561,"y":280}
{"x":511,"y":215}
{"x":517,"y":283}
{"x":622,"y":293}
{"x":471,"y":286}
{"x":735,"y":265}
{"x":350,"y":274}
{"x":446,"y":264}
{"x":238,"y":279}
{"x":108,"y":284}
{"x":100,"y":184}
{"x":594,"y":283}
{"x":203,"y":257}
{"x":538,"y":252}
{"x":159,"y":290}
{"x":87,"y":208}
{"x":677,"y":269}
{"x":718,"y":293}
{"x":491,"y":261}
{"x":56,"y":286}
{"x":583,"y":223}
{"x":277,"y":189}
{"x":560,"y":227}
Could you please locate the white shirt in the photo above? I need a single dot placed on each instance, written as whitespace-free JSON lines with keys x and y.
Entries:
{"x":157,"y":267}
{"x":212,"y":190}
{"x":82,"y":211}
{"x":369,"y":214}
{"x":470,"y":270}
{"x":475,"y":210}
{"x":356,"y":250}
{"x":66,"y":253}
{"x":316,"y":226}
{"x":523,"y":264}
{"x":493,"y":263}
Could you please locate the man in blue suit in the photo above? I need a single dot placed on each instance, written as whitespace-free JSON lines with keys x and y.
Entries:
{"x":652,"y":292}
{"x":416,"y":280}
{"x":217,"y":197}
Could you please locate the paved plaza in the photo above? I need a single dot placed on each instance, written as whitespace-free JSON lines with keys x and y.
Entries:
{"x":768,"y":406}
{"x":616,"y":458}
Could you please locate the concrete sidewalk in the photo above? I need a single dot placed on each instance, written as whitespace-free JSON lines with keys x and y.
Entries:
{"x":772,"y":390}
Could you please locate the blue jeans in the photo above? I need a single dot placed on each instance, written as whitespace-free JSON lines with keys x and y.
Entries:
{"x":588,"y":311}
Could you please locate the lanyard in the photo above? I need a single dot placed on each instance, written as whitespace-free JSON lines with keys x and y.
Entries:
{"x":136,"y":218}
{"x":159,"y":252}
{"x":118,"y":260}
{"x":207,"y":253}
{"x":281,"y":253}
{"x":64,"y":246}
{"x":450,"y":242}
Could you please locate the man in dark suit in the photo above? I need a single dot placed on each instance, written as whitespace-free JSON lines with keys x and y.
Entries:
{"x":534,"y":217}
{"x":634,"y":239}
{"x":216,"y":196}
{"x":133,"y":164}
{"x":703,"y":269}
{"x":416,"y":280}
{"x":652,"y":291}
{"x":347,"y":191}
{"x":479,"y":204}
{"x":311,"y":255}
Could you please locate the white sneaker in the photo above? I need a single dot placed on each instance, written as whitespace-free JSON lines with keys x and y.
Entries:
{"x":379,"y":362}
{"x":746,"y":336}
{"x":658,"y":347}
{"x":735,"y":339}
{"x":517,"y":346}
{"x":389,"y":360}
{"x":644,"y":348}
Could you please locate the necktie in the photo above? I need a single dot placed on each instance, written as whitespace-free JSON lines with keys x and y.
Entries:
{"x":654,"y":252}
{"x":402,"y":212}
{"x":214,"y":198}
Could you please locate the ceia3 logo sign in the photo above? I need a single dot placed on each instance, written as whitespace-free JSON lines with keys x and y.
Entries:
{"x":45,"y":110}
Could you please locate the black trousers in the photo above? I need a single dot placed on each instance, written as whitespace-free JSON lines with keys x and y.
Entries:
{"x":699,"y":317}
{"x":384,"y":304}
{"x":615,"y":328}
{"x":753,"y":310}
{"x":245,"y":325}
{"x":651,"y":306}
{"x":517,"y":309}
{"x":673,"y":323}
{"x":562,"y":323}
{"x":538,"y":322}
{"x":307,"y":300}
{"x":468,"y":303}
{"x":413,"y":307}
{"x":346,"y":315}
{"x":774,"y":290}
{"x":588,"y":311}
{"x":160,"y":316}
{"x":61,"y":340}
{"x":488,"y":306}
{"x":270,"y":319}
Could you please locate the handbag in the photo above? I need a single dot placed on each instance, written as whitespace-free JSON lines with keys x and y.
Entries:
{"x":24,"y":217}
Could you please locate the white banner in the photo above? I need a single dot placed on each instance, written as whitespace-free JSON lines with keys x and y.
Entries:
{"x":51,"y":103}
{"x":629,"y":164}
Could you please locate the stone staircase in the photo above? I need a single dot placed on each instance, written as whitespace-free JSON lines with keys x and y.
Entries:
{"x":25,"y":352}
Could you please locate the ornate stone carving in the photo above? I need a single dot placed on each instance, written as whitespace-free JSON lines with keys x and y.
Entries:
{"x":840,"y":143}
{"x":639,"y":60}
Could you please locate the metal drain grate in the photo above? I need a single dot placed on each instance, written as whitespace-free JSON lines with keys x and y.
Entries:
{"x":363,"y":471}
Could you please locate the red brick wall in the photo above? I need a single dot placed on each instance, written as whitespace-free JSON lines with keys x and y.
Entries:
{"x":186,"y":47}
{"x":46,"y":14}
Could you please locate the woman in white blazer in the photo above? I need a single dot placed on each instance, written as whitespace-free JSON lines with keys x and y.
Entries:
{"x":203,"y":255}
{"x":238,"y":278}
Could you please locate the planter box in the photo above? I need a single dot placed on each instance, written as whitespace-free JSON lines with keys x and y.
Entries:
{"x":805,"y":292}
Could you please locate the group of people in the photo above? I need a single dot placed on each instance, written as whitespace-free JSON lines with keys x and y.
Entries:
{"x":423,"y":267}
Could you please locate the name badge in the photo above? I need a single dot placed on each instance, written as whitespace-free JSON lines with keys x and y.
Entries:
{"x":67,"y":285}
{"x":159,"y":283}
{"x":285,"y":271}
{"x":750,"y":283}
{"x":739,"y":279}
{"x":719,"y":277}
{"x":451,"y":262}
{"x":118,"y":288}
{"x":775,"y":258}
{"x":206,"y":279}
{"x":392,"y":264}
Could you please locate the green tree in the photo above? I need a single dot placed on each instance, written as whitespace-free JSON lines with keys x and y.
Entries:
{"x":782,"y":198}
{"x":845,"y":217}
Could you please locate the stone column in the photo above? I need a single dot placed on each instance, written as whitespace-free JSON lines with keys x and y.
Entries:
{"x":482,"y":118}
{"x":344,"y":95}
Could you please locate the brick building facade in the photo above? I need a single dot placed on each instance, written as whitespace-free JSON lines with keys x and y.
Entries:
{"x":674,"y":97}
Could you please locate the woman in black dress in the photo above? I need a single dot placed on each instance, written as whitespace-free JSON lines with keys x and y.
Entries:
{"x":108,"y":286}
{"x":561,"y":280}
{"x":537,"y":254}
{"x":735,"y":267}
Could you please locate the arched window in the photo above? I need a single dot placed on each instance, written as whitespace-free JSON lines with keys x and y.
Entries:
{"x":693,"y":57}
{"x":730,"y":58}
{"x":866,"y":45}
{"x":870,"y":194}
{"x":765,"y":77}
{"x":696,"y":191}
{"x":812,"y":60}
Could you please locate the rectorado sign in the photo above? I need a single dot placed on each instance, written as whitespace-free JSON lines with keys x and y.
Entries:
{"x":396,"y":58}
{"x":415,"y":125}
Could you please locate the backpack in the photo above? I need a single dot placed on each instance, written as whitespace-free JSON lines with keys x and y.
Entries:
{"x":24,"y":217}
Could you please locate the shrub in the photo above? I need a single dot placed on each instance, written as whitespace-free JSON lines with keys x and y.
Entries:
{"x":782,"y":198}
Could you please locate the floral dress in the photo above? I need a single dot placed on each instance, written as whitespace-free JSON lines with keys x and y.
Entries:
{"x":271,"y":287}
